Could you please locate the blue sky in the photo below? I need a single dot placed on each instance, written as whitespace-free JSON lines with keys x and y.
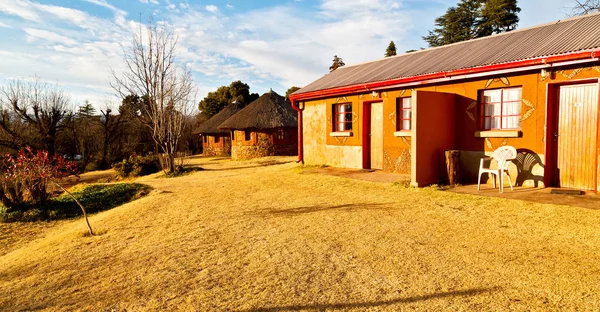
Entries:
{"x":267,"y":43}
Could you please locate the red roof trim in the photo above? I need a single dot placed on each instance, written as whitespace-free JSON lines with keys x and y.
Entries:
{"x":425,"y":78}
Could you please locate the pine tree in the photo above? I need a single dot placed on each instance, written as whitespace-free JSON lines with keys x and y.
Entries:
{"x":473,"y":19}
{"x":290,"y":91}
{"x":337,"y":63}
{"x":391,"y":49}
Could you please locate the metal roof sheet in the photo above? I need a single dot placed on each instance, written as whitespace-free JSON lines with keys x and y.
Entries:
{"x":561,"y":37}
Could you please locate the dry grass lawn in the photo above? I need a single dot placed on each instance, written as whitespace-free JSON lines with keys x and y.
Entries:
{"x":264,"y":236}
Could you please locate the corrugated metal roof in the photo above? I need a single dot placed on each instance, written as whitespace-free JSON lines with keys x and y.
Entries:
{"x":566,"y":36}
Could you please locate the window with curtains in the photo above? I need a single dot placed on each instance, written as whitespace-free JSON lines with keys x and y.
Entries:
{"x":342,"y":117}
{"x":500,"y":109}
{"x":404,"y":114}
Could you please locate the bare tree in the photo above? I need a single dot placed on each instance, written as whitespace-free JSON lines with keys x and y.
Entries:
{"x":36,"y":103}
{"x":166,"y":88}
{"x":583,"y":7}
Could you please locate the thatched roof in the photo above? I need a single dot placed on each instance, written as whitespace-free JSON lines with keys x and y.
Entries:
{"x":269,"y":111}
{"x":211,"y":126}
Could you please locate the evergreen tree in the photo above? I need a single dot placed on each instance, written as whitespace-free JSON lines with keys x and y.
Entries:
{"x":337,"y":63}
{"x":290,"y":91}
{"x":497,"y":16}
{"x":215,"y":101}
{"x":473,"y":19}
{"x":391,"y":49}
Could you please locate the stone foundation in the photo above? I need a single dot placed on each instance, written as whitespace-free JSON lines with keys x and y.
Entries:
{"x":249,"y":152}
{"x":217,"y":151}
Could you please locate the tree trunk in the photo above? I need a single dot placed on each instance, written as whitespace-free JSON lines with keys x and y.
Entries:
{"x":453,"y":166}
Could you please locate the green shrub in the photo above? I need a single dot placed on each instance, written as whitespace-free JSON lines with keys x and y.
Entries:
{"x":136,"y":166}
{"x":95,"y":198}
{"x":92,"y":166}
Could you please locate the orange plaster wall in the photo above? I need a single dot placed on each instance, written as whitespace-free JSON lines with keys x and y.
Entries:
{"x":397,"y":151}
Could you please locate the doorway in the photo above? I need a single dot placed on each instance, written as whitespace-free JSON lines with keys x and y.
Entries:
{"x":373,"y":138}
{"x":574,"y":136}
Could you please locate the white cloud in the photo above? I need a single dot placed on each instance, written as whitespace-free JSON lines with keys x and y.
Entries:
{"x":4,"y":25}
{"x":229,"y":6}
{"x":20,"y":8}
{"x":45,"y":36}
{"x":149,"y":1}
{"x":212,"y":8}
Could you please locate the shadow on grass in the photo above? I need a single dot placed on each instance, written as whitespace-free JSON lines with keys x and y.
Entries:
{"x":374,"y":304}
{"x":259,"y":165}
{"x":95,"y":198}
{"x":319,"y":208}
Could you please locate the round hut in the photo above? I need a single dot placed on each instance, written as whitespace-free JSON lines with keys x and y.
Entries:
{"x":266,"y":127}
{"x":215,"y":141}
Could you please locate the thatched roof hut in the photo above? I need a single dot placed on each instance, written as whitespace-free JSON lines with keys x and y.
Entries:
{"x":211,"y":126}
{"x":269,"y":111}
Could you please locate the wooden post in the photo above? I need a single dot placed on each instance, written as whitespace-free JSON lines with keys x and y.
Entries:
{"x":453,"y":166}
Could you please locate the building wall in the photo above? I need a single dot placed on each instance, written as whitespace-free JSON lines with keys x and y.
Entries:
{"x":264,"y":142}
{"x":324,"y":149}
{"x":211,"y":147}
{"x":321,"y":147}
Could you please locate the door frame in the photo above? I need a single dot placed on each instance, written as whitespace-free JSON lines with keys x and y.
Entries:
{"x":366,"y":130}
{"x":551,"y":175}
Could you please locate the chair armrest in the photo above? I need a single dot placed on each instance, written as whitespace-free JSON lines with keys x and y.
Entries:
{"x":482,"y":160}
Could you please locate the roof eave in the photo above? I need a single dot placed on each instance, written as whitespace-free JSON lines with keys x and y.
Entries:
{"x":549,"y":61}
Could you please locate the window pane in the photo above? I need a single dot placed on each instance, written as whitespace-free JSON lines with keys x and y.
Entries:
{"x":348,"y":126}
{"x":406,"y":102}
{"x":512,"y":94}
{"x":405,"y":124}
{"x":406,"y":113}
{"x":492,"y":96}
{"x":348,"y":117}
{"x":348,"y":108}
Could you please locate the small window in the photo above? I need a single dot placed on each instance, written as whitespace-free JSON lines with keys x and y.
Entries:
{"x":500,"y":109}
{"x":217,"y":138}
{"x":247,"y":135}
{"x":205,"y":139}
{"x":342,"y":116}
{"x":404,"y":114}
{"x":233,"y":135}
{"x":280,"y":134}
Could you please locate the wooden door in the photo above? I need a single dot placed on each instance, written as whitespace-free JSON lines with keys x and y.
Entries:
{"x":577,"y":136}
{"x":376,"y":133}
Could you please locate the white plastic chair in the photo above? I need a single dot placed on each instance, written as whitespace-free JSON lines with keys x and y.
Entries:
{"x":503,"y":155}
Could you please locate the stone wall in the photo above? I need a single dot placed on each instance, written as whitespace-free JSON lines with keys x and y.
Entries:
{"x":249,"y":152}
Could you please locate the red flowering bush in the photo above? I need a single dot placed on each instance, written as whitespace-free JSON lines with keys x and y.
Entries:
{"x":25,"y":177}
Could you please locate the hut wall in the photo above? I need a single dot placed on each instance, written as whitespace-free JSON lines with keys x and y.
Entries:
{"x":216,"y":147}
{"x":261,"y":143}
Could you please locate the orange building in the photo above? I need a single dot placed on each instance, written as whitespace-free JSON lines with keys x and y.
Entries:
{"x":215,"y":141}
{"x":266,"y":127}
{"x":535,"y":89}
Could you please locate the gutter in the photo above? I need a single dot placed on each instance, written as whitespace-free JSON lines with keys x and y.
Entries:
{"x":300,"y":132}
{"x":516,"y":66}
